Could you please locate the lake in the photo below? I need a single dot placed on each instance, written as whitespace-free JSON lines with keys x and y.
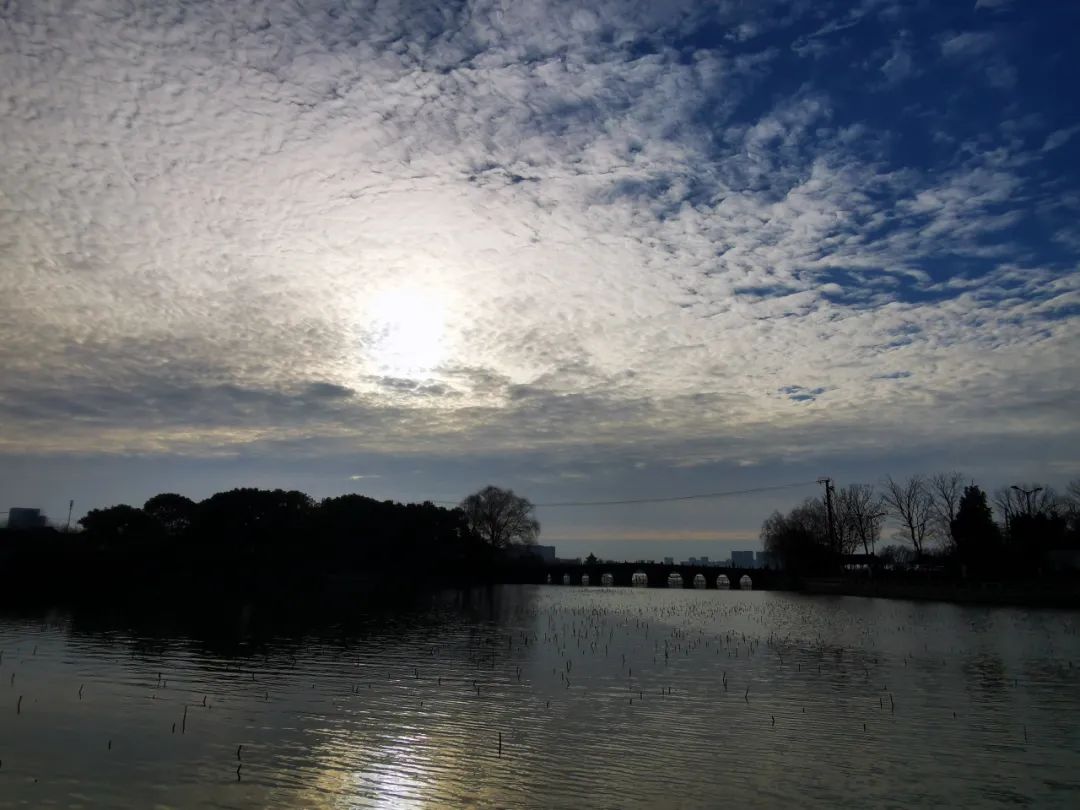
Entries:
{"x":600,"y":697}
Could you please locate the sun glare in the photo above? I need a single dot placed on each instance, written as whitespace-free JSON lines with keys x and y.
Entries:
{"x":407,"y":331}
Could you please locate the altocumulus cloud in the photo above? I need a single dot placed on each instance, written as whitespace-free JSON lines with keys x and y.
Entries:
{"x":690,"y":229}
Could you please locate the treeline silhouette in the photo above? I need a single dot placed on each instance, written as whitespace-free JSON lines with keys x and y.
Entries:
{"x":944,"y":523}
{"x":247,"y":543}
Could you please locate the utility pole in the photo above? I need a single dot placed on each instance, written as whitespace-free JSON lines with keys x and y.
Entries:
{"x":829,"y":512}
{"x":71,"y":505}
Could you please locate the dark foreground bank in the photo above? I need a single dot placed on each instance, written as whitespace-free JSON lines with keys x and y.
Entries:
{"x":49,"y":569}
{"x":1052,"y":592}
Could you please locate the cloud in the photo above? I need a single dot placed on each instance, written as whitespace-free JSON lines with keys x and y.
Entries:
{"x":984,"y":51}
{"x":619,"y":233}
{"x":968,"y":44}
{"x":899,"y":65}
{"x":1001,"y":75}
{"x":1059,"y":138}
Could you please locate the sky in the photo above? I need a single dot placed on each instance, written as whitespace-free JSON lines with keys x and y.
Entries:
{"x":589,"y":251}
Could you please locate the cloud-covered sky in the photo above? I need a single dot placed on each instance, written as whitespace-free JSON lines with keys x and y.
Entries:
{"x":588,"y":250}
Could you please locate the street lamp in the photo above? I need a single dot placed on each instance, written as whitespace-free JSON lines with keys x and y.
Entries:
{"x":1027,"y":493}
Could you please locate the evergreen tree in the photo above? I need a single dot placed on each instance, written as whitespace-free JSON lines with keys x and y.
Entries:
{"x":976,"y":535}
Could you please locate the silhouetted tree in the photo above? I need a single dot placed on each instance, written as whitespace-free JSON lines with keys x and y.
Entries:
{"x":254,"y":514}
{"x":1031,"y":536}
{"x":800,"y":539}
{"x":1071,"y":511}
{"x":500,"y":517}
{"x":945,"y":491}
{"x":175,"y":513}
{"x":266,"y":545}
{"x":909,"y":502}
{"x":1023,"y":499}
{"x":1036,"y":521}
{"x":897,"y":556}
{"x":1072,"y":495}
{"x":591,"y":559}
{"x":357,"y":523}
{"x":976,"y":537}
{"x":860,"y":513}
{"x":120,"y":523}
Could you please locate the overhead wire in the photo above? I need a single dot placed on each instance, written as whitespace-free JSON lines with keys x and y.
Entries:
{"x":666,"y":499}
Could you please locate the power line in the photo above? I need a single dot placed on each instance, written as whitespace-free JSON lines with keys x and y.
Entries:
{"x":669,"y":499}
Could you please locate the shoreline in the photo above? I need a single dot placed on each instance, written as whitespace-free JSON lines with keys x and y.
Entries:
{"x":1056,"y":595}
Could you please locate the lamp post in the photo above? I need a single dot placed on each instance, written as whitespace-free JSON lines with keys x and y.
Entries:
{"x":1027,"y":493}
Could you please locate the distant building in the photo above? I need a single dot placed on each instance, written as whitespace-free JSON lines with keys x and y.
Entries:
{"x":545,"y":553}
{"x":766,"y":559}
{"x":21,"y":517}
{"x":669,"y":560}
{"x":742,"y":559}
{"x":703,"y":561}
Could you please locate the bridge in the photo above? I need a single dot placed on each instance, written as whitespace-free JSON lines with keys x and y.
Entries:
{"x":658,"y":573}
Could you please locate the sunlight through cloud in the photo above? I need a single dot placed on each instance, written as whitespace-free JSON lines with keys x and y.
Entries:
{"x":406,"y":329}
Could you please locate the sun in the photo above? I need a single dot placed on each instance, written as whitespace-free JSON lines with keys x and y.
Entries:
{"x":406,"y":329}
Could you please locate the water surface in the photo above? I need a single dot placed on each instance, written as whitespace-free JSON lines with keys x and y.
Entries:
{"x":602,"y":698}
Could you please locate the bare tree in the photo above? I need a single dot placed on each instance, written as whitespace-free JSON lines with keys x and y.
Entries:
{"x":945,"y":490}
{"x":897,"y":556}
{"x":1070,"y":503}
{"x":910,"y":504}
{"x":500,"y":517}
{"x":1008,"y":503}
{"x":1024,"y":499}
{"x":860,"y":511}
{"x":1072,"y":495}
